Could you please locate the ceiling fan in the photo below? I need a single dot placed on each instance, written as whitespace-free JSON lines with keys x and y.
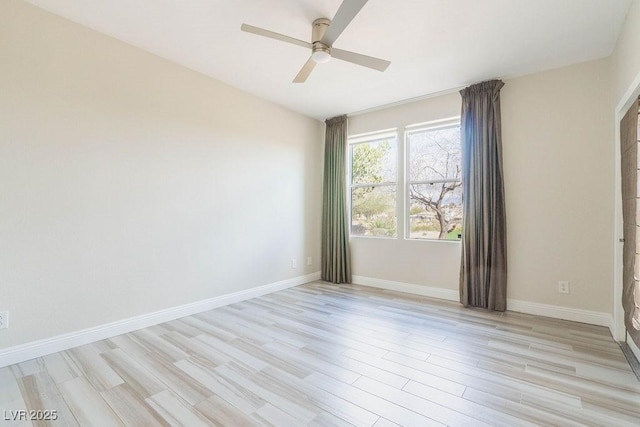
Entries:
{"x":324,"y":33}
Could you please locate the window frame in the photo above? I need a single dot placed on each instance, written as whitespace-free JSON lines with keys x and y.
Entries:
{"x":402,"y":182}
{"x":417,"y":128}
{"x":367,"y":138}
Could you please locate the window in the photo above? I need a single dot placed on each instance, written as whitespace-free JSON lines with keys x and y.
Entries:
{"x":426,"y":201}
{"x":373,"y":166}
{"x":434,"y":188}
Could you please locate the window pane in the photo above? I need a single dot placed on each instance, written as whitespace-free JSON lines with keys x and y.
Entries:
{"x":435,"y":211}
{"x":374,"y":162}
{"x":373,"y":211}
{"x":434,"y":154}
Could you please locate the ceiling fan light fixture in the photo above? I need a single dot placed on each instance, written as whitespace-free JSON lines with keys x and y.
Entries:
{"x":321,"y":54}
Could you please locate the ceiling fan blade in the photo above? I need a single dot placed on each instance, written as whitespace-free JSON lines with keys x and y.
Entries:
{"x":306,"y":69}
{"x":360,"y":59}
{"x":346,"y":12}
{"x":266,"y":33}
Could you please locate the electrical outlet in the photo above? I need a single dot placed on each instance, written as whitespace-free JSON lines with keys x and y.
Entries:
{"x":309,"y":260}
{"x":294,"y":263}
{"x":563,"y":287}
{"x":4,"y":319}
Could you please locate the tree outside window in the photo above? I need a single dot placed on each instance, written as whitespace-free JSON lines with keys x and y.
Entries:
{"x":374,"y":168}
{"x":432,"y":189}
{"x":434,"y":184}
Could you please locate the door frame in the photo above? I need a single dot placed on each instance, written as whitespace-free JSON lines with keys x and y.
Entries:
{"x":617,"y":326}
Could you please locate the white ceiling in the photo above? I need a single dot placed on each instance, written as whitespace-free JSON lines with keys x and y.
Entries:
{"x":433,"y":45}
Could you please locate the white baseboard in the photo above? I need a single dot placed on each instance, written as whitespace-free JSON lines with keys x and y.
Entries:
{"x":31,"y":350}
{"x":558,"y":312}
{"x":410,"y":288}
{"x":555,"y":311}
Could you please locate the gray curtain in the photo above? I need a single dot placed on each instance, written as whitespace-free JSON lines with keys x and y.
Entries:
{"x":483,"y":271}
{"x":336,"y":257}
{"x":629,"y":170}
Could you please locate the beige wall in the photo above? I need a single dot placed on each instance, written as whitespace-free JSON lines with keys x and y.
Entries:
{"x":558,"y":160}
{"x":129,"y":184}
{"x":557,"y":132}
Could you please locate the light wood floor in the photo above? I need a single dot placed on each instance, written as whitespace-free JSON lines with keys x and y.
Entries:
{"x":321,"y":354}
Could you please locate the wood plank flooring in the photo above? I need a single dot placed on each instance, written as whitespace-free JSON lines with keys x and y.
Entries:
{"x":333,"y":355}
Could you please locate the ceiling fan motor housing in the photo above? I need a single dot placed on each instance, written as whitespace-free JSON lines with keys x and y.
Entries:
{"x":320,"y":51}
{"x":320,"y":26}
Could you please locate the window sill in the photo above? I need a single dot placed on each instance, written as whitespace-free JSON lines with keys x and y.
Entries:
{"x":356,"y":237}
